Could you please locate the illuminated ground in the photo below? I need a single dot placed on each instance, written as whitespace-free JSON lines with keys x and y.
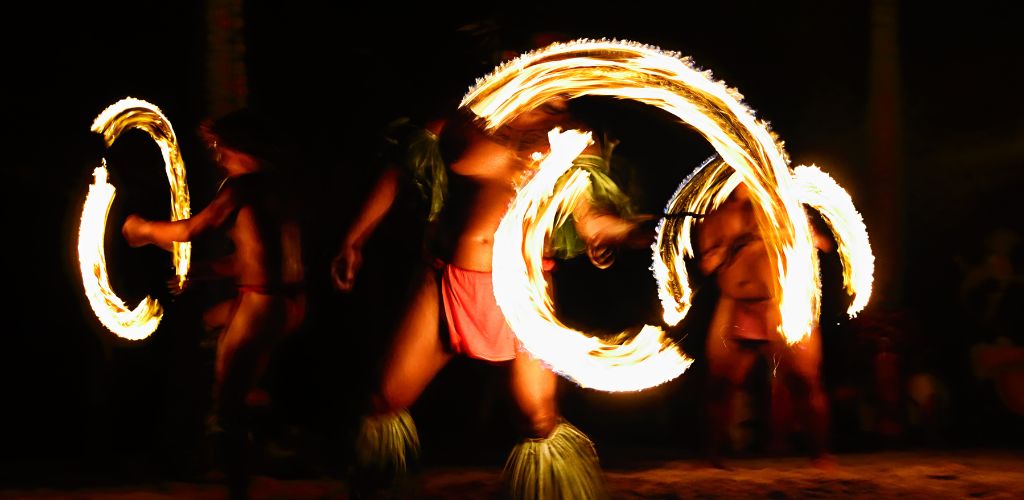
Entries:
{"x":932,"y":475}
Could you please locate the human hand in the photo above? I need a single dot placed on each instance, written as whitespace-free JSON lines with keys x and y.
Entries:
{"x":134,"y":231}
{"x":614,"y":233}
{"x":602,"y":257}
{"x":345,"y":266}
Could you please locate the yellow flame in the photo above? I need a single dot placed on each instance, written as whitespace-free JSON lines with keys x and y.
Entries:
{"x":820,"y":191}
{"x":134,"y":324}
{"x":126,"y":114}
{"x":643,"y":73}
{"x":702,"y":191}
{"x":131,"y":113}
{"x":521,"y":290}
{"x":712,"y":183}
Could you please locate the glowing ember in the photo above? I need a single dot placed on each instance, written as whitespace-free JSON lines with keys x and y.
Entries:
{"x":109,"y":308}
{"x":646,"y":74}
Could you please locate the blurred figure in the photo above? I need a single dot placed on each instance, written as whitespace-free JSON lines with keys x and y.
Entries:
{"x":744,"y":327}
{"x":992,"y":293}
{"x":468,"y":177}
{"x":1003,"y":362}
{"x":256,"y":213}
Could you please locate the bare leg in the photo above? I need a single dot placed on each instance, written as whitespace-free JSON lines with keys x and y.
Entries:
{"x":801,"y":367}
{"x":533,"y":390}
{"x":728,"y":365}
{"x":416,"y":353}
{"x":244,"y":349}
{"x":242,"y":353}
{"x":557,"y":460}
{"x":221,"y":315}
{"x":386,"y":443}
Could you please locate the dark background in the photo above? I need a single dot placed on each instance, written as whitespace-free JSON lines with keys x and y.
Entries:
{"x":79,"y":401}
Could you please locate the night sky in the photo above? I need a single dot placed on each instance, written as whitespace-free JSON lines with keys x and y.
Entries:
{"x":334,"y":77}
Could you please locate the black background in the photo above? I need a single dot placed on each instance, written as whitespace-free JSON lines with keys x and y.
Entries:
{"x":77,"y":400}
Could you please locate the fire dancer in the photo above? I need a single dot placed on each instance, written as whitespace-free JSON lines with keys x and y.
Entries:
{"x":745,"y":325}
{"x":254,"y":211}
{"x":468,"y":177}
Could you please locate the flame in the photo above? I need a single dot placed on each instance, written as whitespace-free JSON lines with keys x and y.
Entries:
{"x":820,"y":191}
{"x":705,"y":189}
{"x":628,"y":70}
{"x":521,"y":290}
{"x":126,"y":114}
{"x":131,"y":324}
{"x":711,"y":184}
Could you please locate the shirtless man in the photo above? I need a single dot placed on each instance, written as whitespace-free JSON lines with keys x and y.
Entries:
{"x":745,"y":324}
{"x":256,"y":215}
{"x":482,"y":169}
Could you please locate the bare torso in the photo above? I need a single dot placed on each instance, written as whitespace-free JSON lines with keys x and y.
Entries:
{"x":252,"y":256}
{"x":732,"y":248}
{"x":483,"y":176}
{"x":266,"y":240}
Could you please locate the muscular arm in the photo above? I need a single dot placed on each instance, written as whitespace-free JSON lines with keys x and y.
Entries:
{"x":349,"y":258}
{"x":602,"y":228}
{"x":374,"y":209}
{"x":139,"y":231}
{"x":603,"y":232}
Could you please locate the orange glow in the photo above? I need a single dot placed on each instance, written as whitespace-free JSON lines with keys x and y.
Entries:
{"x":112,"y":312}
{"x":109,"y":308}
{"x":750,"y":152}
